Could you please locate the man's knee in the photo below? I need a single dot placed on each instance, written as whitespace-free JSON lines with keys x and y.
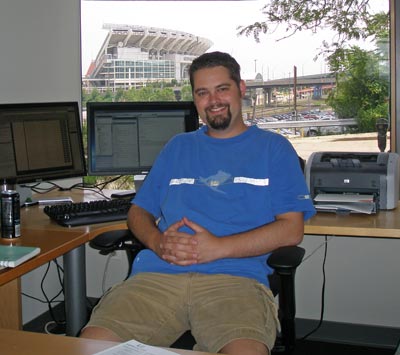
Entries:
{"x":99,"y":334}
{"x":245,"y":346}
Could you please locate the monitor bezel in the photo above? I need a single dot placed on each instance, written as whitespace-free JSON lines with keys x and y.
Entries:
{"x":191,"y":124}
{"x":45,"y":175}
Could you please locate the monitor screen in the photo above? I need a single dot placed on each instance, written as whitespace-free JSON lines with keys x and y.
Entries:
{"x":40,"y":142}
{"x":124,"y":138}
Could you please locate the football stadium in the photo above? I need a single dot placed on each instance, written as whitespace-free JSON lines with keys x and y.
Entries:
{"x":132,"y":56}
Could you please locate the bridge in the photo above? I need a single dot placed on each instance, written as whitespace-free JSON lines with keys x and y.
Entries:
{"x":315,"y":83}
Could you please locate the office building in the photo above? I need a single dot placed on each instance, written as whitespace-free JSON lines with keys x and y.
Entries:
{"x":132,"y":56}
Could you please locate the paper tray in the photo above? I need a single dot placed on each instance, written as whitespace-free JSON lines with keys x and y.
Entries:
{"x":353,"y":203}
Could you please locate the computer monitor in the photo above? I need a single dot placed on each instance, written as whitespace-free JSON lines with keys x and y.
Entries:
{"x":40,"y":142}
{"x":124,"y":138}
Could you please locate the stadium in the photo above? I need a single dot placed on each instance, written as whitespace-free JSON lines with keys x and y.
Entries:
{"x":132,"y":56}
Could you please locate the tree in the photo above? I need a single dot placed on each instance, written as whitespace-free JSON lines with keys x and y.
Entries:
{"x":349,"y":19}
{"x":362,"y":82}
{"x":186,"y":93}
{"x":362,"y":87}
{"x":149,"y":93}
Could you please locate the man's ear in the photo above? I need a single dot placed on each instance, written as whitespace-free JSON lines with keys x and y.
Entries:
{"x":242,"y":87}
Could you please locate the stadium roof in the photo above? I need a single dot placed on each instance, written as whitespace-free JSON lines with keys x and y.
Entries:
{"x":152,"y":38}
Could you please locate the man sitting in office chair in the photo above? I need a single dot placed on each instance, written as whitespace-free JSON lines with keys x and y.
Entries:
{"x":215,"y":204}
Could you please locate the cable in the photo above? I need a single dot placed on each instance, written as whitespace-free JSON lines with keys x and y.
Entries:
{"x":58,"y":322}
{"x":322,"y":292}
{"x":103,"y":283}
{"x":55,"y":326}
{"x":97,"y":188}
{"x":317,"y":248}
{"x":39,"y":300}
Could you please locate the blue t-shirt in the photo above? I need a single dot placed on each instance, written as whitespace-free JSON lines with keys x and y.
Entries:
{"x":227,"y":186}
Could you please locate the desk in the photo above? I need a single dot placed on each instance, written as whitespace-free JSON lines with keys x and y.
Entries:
{"x":39,"y":230}
{"x":15,"y":342}
{"x":384,"y":224}
{"x":54,"y":241}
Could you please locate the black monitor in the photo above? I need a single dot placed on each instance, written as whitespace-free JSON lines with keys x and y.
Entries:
{"x":124,"y":138}
{"x":40,"y":142}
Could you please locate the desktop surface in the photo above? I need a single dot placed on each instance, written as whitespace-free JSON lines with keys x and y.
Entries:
{"x":384,"y":224}
{"x":15,"y":342}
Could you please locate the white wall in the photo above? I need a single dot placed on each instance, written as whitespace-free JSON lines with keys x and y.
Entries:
{"x":40,"y":50}
{"x":362,"y":280}
{"x":40,"y":62}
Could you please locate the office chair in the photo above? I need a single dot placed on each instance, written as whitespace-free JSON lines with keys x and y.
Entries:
{"x":284,"y":261}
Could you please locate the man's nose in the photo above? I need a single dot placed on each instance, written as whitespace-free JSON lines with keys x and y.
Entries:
{"x":214,"y":97}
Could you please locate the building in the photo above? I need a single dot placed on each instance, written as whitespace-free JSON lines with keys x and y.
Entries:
{"x":132,"y":56}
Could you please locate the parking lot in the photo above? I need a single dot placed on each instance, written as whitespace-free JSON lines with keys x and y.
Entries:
{"x":361,"y":142}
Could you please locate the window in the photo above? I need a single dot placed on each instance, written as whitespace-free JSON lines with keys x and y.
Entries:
{"x":161,"y":57}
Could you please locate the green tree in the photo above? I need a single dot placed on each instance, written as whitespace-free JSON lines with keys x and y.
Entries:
{"x":108,"y":96}
{"x":362,"y":82}
{"x":362,"y":87}
{"x":186,"y":93}
{"x":349,"y":20}
{"x":95,"y":96}
{"x":149,"y":93}
{"x":119,"y":95}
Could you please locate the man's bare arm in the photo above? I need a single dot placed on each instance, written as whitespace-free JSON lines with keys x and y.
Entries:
{"x":143,"y":226}
{"x":287,"y":230}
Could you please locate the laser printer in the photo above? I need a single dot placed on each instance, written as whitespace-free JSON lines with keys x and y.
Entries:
{"x":358,"y":179}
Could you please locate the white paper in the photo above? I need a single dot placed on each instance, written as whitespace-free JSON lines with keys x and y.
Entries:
{"x":356,"y":203}
{"x":345,"y":198}
{"x":133,"y":347}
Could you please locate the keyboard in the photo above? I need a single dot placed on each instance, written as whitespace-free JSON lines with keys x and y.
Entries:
{"x":84,"y":213}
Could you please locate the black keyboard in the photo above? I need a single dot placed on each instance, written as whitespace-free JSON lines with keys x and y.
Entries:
{"x":84,"y":213}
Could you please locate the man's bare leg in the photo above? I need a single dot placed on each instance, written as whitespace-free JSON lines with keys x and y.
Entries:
{"x":99,"y":334}
{"x":245,"y":346}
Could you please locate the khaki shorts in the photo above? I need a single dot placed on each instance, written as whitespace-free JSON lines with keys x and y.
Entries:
{"x":156,"y":309}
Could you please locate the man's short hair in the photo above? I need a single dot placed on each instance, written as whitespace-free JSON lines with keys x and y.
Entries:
{"x":216,"y":59}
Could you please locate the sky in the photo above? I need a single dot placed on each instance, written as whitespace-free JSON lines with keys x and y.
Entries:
{"x":216,"y":21}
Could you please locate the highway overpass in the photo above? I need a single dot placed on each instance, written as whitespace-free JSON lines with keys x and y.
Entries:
{"x":315,"y":83}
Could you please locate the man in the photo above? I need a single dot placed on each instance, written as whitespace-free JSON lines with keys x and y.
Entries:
{"x":215,"y":203}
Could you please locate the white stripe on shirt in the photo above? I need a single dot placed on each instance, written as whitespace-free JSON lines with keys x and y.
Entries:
{"x":236,"y":180}
{"x":251,"y":181}
{"x":189,"y":181}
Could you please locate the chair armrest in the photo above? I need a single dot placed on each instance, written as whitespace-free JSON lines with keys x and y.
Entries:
{"x":286,"y":259}
{"x":120,"y":239}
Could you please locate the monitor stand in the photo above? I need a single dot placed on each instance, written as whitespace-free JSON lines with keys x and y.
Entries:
{"x":124,"y":194}
{"x":138,"y":181}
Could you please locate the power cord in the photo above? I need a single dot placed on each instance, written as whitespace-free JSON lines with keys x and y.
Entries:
{"x":50,"y":302}
{"x":322,"y":290}
{"x":97,"y":188}
{"x":59,"y":323}
{"x":103,"y":282}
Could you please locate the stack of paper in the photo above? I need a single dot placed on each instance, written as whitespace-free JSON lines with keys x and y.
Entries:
{"x":346,"y":202}
{"x":14,"y":255}
{"x":132,"y":347}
